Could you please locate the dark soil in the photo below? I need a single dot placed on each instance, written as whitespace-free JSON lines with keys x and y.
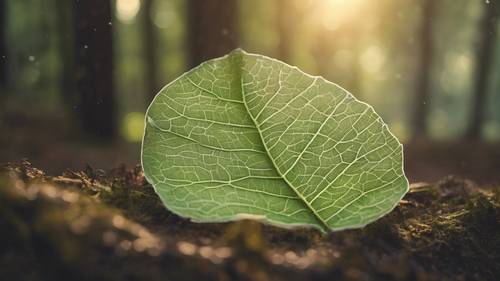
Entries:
{"x":96,"y":225}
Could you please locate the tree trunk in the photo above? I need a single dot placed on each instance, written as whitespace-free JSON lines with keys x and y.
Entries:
{"x":423,"y":86}
{"x":484,"y":59}
{"x":284,"y":26}
{"x":94,"y":66}
{"x":327,"y":44}
{"x":3,"y":47}
{"x":65,"y":49}
{"x":149,"y":39}
{"x":213,"y":28}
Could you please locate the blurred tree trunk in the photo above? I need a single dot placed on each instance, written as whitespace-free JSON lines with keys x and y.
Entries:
{"x":484,"y":59}
{"x":65,"y":41}
{"x":284,"y":25}
{"x":213,"y":28}
{"x":328,"y":43}
{"x":149,"y":39}
{"x":423,"y":86}
{"x":94,"y":66}
{"x":3,"y":47}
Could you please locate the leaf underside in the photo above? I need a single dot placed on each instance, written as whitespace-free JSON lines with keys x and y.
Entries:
{"x":249,"y":136}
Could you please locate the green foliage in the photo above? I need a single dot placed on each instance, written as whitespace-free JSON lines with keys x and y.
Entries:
{"x":249,"y":136}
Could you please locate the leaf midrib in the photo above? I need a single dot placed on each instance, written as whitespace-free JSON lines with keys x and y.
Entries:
{"x":324,"y":226}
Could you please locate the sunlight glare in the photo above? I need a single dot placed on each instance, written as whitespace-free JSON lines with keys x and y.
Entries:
{"x":133,"y":126}
{"x":126,"y":10}
{"x":336,"y":12}
{"x":456,"y":72}
{"x":373,"y":59}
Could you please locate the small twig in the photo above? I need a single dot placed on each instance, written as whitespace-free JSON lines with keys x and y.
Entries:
{"x":419,"y":187}
{"x":67,"y":180}
{"x":61,"y":179}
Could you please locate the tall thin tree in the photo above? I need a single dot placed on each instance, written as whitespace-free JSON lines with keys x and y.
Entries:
{"x":3,"y":47}
{"x":149,"y":47}
{"x":94,"y":67}
{"x":484,"y":58}
{"x":65,"y":49}
{"x":213,"y":28}
{"x":423,"y":74}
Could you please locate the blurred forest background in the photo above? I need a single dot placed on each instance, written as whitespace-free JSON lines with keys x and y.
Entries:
{"x":76,"y":76}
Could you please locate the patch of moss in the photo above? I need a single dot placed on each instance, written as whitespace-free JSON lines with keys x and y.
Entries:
{"x":85,"y":224}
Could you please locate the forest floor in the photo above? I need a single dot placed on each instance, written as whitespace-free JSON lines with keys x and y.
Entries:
{"x":96,"y":225}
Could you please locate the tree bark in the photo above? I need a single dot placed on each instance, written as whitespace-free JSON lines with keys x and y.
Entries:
{"x":423,"y":87}
{"x":3,"y":47}
{"x":149,"y":39}
{"x":94,"y":67}
{"x":484,"y":58}
{"x":213,"y":28}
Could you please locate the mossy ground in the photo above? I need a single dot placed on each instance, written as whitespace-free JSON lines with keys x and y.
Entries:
{"x":96,"y":225}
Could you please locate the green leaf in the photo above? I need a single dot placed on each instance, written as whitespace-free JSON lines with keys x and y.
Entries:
{"x":247,"y":136}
